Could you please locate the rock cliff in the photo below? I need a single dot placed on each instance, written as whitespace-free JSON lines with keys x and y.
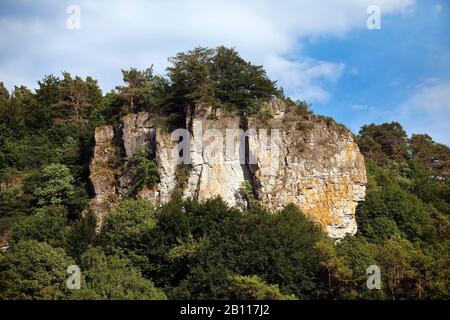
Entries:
{"x":288,"y":157}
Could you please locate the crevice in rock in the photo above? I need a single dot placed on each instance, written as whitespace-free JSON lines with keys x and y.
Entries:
{"x":118,"y":140}
{"x":247,"y":168}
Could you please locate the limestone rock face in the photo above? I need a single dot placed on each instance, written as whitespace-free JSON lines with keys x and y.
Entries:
{"x":111,"y":181}
{"x":165,"y":157}
{"x":302,"y":159}
{"x":215,"y":172}
{"x":319,"y":168}
{"x":102,"y":174}
{"x":137,"y":132}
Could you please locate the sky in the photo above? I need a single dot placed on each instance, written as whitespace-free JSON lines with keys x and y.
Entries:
{"x":321,"y":52}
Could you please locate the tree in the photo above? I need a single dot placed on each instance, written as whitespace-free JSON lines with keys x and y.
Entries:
{"x":359,"y":254}
{"x":394,"y":257}
{"x":108,"y":111}
{"x":78,"y":95}
{"x":142,"y":89}
{"x":389,"y":210}
{"x":48,"y":95}
{"x":48,"y":225}
{"x":125,"y":229}
{"x":22,"y":111}
{"x":433,"y":156}
{"x":34,"y":270}
{"x":389,"y":137}
{"x":219,"y":78}
{"x":4,"y":94}
{"x":336,"y":267}
{"x":13,"y":202}
{"x":144,"y":171}
{"x":113,"y":278}
{"x":190,"y":78}
{"x":239,"y":84}
{"x":428,"y":187}
{"x":81,"y":235}
{"x":278,"y":248}
{"x":254,"y":288}
{"x":48,"y":91}
{"x":57,"y":185}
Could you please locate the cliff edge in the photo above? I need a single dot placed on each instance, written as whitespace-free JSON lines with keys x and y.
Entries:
{"x":286,"y":155}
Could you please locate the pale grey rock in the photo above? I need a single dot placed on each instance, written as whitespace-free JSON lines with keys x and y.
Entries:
{"x":166,"y":158}
{"x":213,"y":173}
{"x":137,"y":132}
{"x":102,"y":175}
{"x":111,"y":184}
{"x":319,"y":167}
{"x":326,"y":177}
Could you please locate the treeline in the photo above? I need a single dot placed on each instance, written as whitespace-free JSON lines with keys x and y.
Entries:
{"x":191,"y":250}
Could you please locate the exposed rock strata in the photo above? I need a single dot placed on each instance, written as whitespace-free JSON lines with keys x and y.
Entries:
{"x":317,"y":166}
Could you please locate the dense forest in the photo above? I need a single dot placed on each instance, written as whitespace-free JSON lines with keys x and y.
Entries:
{"x":204,"y":250}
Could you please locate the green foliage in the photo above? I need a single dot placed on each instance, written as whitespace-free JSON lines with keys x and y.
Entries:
{"x":81,"y":235}
{"x":48,"y":93}
{"x":12,"y":202}
{"x":391,"y":210}
{"x":48,"y":225}
{"x":408,"y":237}
{"x":403,"y":222}
{"x":57,"y":185}
{"x":218,"y":77}
{"x":433,"y":156}
{"x":107,"y":112}
{"x":248,"y":194}
{"x":145,"y":172}
{"x":395,"y":258}
{"x":143,"y":90}
{"x":33,"y":270}
{"x":383,"y":142}
{"x":4,"y":94}
{"x":113,"y":278}
{"x":125,"y":229}
{"x":77,"y":96}
{"x":419,"y":165}
{"x":204,"y":250}
{"x":336,"y":267}
{"x":29,"y":151}
{"x":254,"y":288}
{"x":358,"y":254}
{"x":200,"y":245}
{"x":425,"y":186}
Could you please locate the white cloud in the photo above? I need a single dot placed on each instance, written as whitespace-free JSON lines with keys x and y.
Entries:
{"x":431,"y":98}
{"x":361,"y":107}
{"x":117,"y":34}
{"x":305,"y":76}
{"x":428,"y":110}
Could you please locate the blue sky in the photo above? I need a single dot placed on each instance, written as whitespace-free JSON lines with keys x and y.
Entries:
{"x":319,"y":51}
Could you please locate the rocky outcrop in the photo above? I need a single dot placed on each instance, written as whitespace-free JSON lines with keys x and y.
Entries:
{"x":109,"y":169}
{"x":165,"y":158}
{"x":137,"y":132}
{"x":302,"y":159}
{"x":215,"y":172}
{"x":102,"y":173}
{"x":320,"y":169}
